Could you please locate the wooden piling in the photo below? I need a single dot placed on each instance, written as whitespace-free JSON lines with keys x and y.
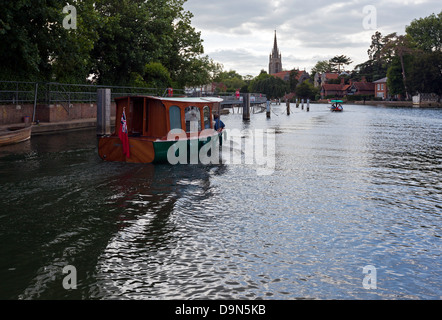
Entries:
{"x":268,"y":109}
{"x":103,"y":112}
{"x":246,"y":107}
{"x":35,"y":102}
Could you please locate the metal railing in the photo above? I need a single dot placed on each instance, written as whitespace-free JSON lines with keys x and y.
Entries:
{"x":255,"y":98}
{"x":14,"y":92}
{"x":20,"y":92}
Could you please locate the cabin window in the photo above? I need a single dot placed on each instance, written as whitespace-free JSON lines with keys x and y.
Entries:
{"x":135,"y":117}
{"x":193,"y":119}
{"x":175,"y":117}
{"x":206,"y":114}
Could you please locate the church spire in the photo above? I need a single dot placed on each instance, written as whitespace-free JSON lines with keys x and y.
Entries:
{"x":275,"y":46}
{"x":275,"y":63}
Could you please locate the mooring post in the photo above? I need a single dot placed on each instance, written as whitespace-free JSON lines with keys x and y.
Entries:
{"x":308,"y":105}
{"x":246,"y":107}
{"x":103,"y":112}
{"x":35,"y":102}
{"x":268,"y":109}
{"x":288,"y":107}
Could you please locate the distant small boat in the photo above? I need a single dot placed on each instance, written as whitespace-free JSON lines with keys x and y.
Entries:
{"x":13,"y":135}
{"x":336,"y":106}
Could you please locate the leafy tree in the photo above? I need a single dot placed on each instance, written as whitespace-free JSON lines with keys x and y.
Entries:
{"x":293,"y":80}
{"x":426,"y":33}
{"x":306,"y":90}
{"x":399,"y":46}
{"x":395,"y":79}
{"x":271,"y":86}
{"x":262,"y":76}
{"x":156,"y":75}
{"x":71,"y":62}
{"x":30,"y":36}
{"x":340,"y":61}
{"x":323,"y":66}
{"x":231,"y":79}
{"x":425,"y":73}
{"x":136,"y":33}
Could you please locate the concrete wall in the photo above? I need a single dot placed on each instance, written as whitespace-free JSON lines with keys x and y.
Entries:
{"x":13,"y":114}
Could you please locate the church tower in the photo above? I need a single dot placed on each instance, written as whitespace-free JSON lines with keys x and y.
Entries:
{"x":275,"y":63}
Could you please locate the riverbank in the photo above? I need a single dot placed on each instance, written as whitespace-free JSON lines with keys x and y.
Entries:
{"x":54,"y":127}
{"x":391,"y":103}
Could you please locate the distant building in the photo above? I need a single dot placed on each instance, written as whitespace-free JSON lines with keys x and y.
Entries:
{"x":354,"y":88}
{"x":361,"y":88}
{"x":302,"y":75}
{"x":275,"y":60}
{"x":381,"y":90}
{"x":323,"y":78}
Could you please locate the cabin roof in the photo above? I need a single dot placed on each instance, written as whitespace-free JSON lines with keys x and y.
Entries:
{"x":180,"y":99}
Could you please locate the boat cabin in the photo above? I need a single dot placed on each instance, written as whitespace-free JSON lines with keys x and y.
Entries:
{"x":149,"y":121}
{"x":154,"y":117}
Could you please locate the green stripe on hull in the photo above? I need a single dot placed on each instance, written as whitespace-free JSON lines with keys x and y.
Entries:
{"x":162,"y":147}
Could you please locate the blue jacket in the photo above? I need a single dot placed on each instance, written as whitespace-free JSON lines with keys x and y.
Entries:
{"x":219,"y":124}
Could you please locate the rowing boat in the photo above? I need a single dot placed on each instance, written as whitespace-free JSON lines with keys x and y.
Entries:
{"x":16,"y":134}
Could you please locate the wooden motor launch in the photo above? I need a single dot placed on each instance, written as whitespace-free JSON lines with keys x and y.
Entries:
{"x":147,"y":122}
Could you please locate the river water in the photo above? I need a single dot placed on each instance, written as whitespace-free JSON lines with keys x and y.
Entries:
{"x":352,"y":210}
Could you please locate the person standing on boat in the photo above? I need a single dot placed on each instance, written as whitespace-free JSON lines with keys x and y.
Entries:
{"x":219,"y":125}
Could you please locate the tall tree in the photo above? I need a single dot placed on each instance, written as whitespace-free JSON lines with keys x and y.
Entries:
{"x":323,"y":66}
{"x":399,"y":46}
{"x":426,"y":33}
{"x":340,"y":61}
{"x":269,"y":85}
{"x":30,"y":32}
{"x":293,"y":80}
{"x":134,"y":33}
{"x":425,"y":73}
{"x":395,"y":79}
{"x":306,"y":90}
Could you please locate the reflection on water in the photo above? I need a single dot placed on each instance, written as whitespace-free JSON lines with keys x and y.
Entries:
{"x":358,"y":188}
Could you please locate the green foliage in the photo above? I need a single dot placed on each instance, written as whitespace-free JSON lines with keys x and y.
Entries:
{"x":232,"y":80}
{"x":113,"y":42}
{"x":306,"y":90}
{"x":26,"y":41}
{"x":156,"y":75}
{"x":425,"y":73}
{"x":293,"y":81}
{"x":395,"y":80}
{"x":271,"y":86}
{"x":412,"y":62}
{"x":323,"y":66}
{"x":426,"y":33}
{"x":339,"y":61}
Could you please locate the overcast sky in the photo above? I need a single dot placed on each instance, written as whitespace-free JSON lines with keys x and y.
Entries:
{"x":239,"y":33}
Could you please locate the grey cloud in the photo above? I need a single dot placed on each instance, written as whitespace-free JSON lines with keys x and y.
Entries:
{"x":319,"y":26}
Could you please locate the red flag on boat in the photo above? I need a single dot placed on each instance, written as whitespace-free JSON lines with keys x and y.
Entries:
{"x":123,"y":135}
